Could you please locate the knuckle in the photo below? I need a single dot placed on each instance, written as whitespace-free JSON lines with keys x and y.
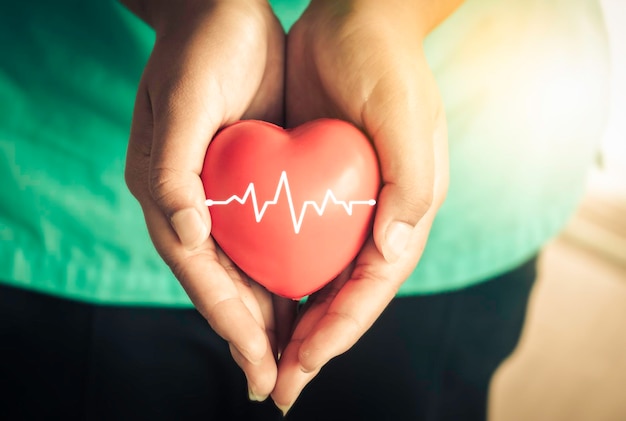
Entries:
{"x":364,"y":272}
{"x":415,"y":202}
{"x":177,"y":266}
{"x":167,"y":187}
{"x":420,"y":205}
{"x":348,"y":320}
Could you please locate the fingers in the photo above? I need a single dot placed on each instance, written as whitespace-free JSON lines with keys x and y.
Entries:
{"x":210,"y":287}
{"x":336,"y":317}
{"x":351,"y":306}
{"x":407,"y":127}
{"x":336,"y":321}
{"x":162,"y":173}
{"x":276,"y":316}
{"x":293,"y":376}
{"x":179,"y":230}
{"x":200,"y":77}
{"x":224,"y":299}
{"x":391,"y":96}
{"x":260,"y":376}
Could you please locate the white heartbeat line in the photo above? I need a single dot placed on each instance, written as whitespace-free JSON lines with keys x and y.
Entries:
{"x":283,"y":182}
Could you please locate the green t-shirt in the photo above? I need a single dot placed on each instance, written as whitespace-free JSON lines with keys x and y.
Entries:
{"x":523,"y":83}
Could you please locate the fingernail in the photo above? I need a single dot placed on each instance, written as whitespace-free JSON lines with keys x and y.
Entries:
{"x":254,"y":397}
{"x":284,"y":409}
{"x":190,"y":228}
{"x":396,"y":240}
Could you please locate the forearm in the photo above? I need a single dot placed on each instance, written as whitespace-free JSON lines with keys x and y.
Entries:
{"x":430,"y":13}
{"x":161,"y":13}
{"x":145,"y":9}
{"x":419,"y":16}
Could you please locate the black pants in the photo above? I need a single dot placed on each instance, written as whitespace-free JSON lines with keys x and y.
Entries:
{"x":426,"y":358}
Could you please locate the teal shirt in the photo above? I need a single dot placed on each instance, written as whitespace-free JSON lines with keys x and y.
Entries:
{"x":523,"y":83}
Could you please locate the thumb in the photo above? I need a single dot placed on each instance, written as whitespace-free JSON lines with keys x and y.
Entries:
{"x":403,"y":137}
{"x":191,"y":100}
{"x":181,"y":138}
{"x":189,"y":106}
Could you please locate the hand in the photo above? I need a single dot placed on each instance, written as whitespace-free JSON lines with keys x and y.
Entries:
{"x":214,"y":62}
{"x":363,"y":62}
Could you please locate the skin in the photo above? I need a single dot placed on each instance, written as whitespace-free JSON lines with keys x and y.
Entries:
{"x":362,"y":61}
{"x":215,"y":62}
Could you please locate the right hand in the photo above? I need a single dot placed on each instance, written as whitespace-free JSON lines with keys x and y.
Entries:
{"x":363,"y":61}
{"x":213,"y":63}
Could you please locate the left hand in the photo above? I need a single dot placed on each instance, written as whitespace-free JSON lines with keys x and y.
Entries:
{"x":365,"y":64}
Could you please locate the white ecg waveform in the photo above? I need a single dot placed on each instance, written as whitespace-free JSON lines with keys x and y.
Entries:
{"x":283,"y":182}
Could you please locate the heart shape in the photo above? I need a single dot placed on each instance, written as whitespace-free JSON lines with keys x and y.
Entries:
{"x":291,"y":208}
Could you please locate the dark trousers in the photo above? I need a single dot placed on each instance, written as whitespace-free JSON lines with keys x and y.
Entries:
{"x":426,"y":358}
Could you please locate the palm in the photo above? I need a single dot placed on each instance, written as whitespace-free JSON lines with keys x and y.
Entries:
{"x":307,"y":80}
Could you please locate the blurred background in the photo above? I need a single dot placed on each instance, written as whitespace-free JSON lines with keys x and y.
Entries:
{"x":570,"y":363}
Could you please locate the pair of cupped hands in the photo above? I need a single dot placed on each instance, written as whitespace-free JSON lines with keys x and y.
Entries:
{"x":216,"y":62}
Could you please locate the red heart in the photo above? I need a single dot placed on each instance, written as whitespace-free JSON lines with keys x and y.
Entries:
{"x":291,"y":208}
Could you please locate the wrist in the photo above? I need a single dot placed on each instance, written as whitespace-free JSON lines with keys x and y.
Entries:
{"x":416,"y":18}
{"x":399,"y":17}
{"x":165,"y":15}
